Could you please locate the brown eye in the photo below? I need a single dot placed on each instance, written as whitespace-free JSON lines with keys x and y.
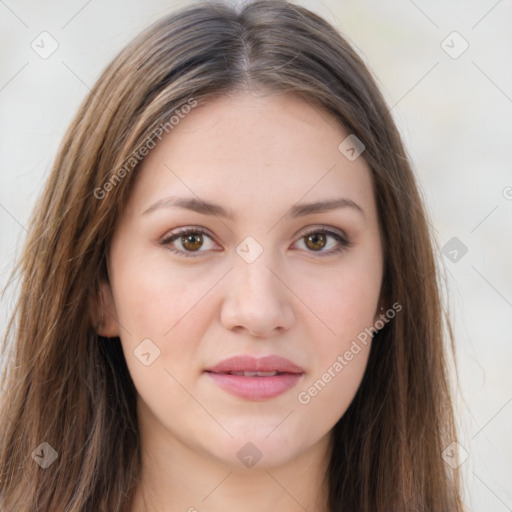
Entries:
{"x":324,"y":242}
{"x":192,"y":242}
{"x":316,"y":241}
{"x":188,"y":242}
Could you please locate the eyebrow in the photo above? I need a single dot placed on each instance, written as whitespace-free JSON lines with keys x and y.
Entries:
{"x":208,"y":208}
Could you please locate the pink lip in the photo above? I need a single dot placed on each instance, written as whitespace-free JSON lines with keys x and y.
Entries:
{"x":256,"y":387}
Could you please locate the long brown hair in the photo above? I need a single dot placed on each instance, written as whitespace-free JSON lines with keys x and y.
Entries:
{"x":65,"y":385}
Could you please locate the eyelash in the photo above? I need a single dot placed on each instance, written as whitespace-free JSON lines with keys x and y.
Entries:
{"x":166,"y":241}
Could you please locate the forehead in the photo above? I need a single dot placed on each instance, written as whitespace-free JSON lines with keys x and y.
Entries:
{"x":253,"y":149}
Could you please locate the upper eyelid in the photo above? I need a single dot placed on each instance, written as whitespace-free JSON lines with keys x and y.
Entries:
{"x":304,"y":231}
{"x":328,"y":229}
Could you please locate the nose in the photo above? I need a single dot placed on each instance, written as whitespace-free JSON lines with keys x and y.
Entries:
{"x":257,"y":299}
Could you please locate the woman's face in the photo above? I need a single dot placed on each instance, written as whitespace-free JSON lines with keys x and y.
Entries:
{"x":258,"y":275}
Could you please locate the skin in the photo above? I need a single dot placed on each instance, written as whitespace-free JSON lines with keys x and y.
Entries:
{"x":257,"y":154}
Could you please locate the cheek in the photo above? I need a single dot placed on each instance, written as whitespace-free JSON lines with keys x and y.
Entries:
{"x":340,"y":351}
{"x":156,"y":298}
{"x":342,"y":301}
{"x":344,"y":306}
{"x":169,"y":309}
{"x":324,"y":399}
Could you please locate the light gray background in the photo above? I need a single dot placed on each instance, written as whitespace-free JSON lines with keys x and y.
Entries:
{"x":455,"y":116}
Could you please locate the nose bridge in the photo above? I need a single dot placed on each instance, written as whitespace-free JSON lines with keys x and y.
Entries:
{"x":255,"y":280}
{"x":257,"y":299}
{"x":252,"y":263}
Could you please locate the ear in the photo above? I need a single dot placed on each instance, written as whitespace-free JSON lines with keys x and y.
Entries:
{"x":102,"y":310}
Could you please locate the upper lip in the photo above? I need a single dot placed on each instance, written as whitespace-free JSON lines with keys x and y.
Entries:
{"x":253,"y":364}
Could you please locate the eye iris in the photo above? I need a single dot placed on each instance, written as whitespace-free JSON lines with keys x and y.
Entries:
{"x":195,"y":239}
{"x":315,"y":238}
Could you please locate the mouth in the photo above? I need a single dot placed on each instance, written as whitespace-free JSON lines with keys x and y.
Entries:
{"x":252,"y":374}
{"x":256,"y":379}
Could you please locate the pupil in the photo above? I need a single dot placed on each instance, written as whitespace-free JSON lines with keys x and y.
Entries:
{"x":315,"y":238}
{"x":188,"y":241}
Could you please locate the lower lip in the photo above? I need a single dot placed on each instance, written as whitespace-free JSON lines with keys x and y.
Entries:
{"x":256,"y":388}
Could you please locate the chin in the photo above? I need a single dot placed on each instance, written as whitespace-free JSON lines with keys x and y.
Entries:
{"x":257,"y":450}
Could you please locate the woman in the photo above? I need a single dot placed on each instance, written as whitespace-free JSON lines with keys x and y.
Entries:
{"x":229,"y":296}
